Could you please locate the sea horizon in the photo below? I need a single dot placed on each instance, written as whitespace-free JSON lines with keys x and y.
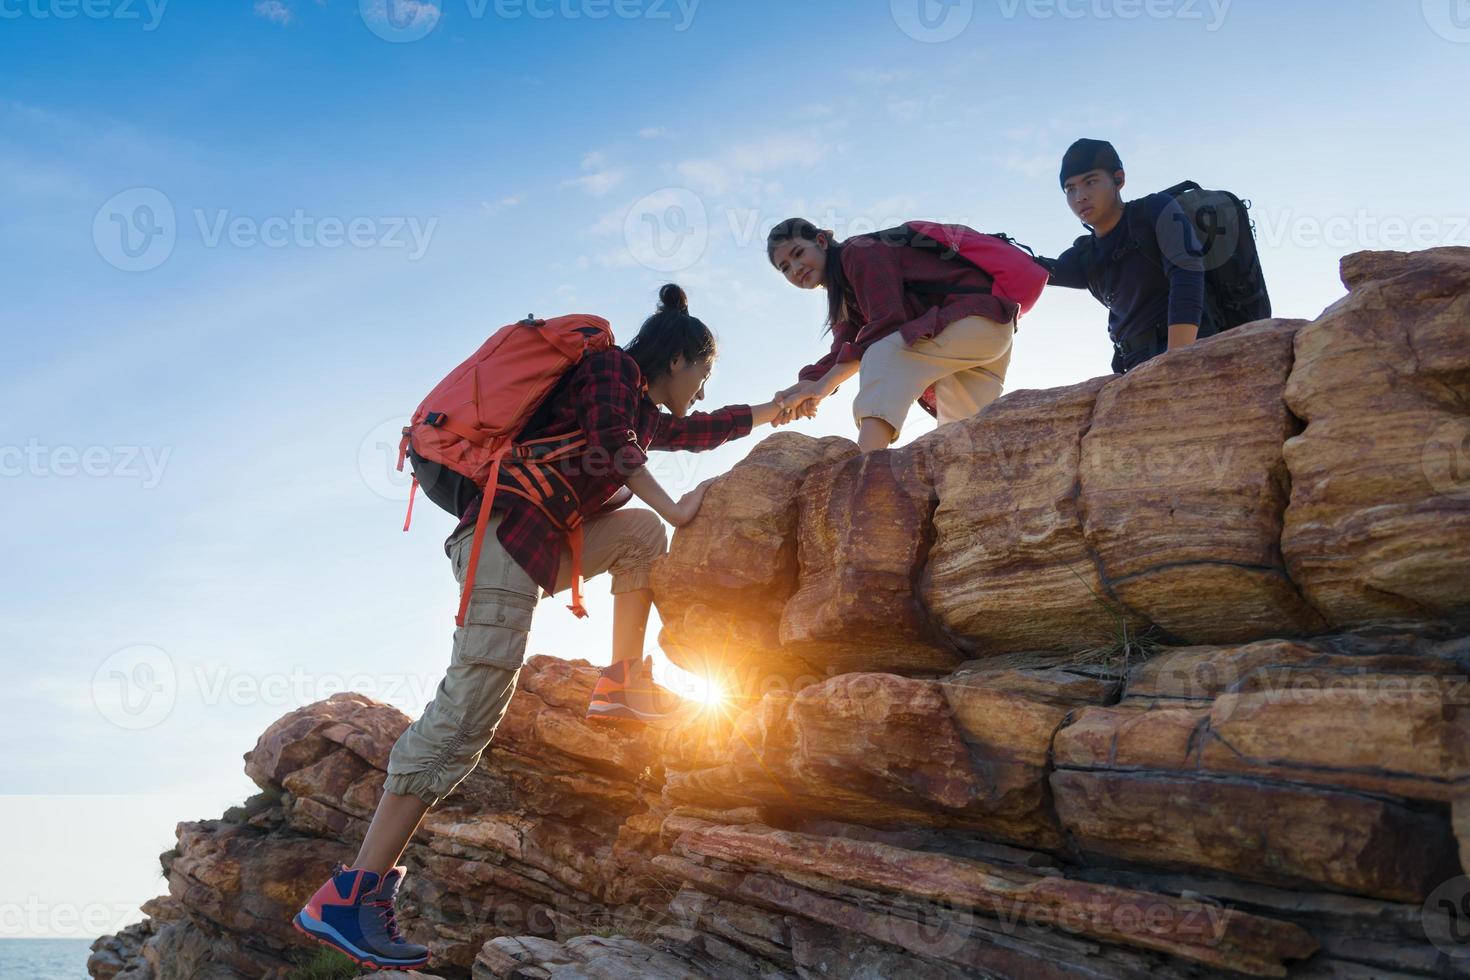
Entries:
{"x":44,"y":957}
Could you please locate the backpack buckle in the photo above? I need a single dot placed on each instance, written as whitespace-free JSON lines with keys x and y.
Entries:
{"x":436,"y":419}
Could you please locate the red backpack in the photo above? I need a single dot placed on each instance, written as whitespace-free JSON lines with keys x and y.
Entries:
{"x":1016,"y":274}
{"x":469,"y":422}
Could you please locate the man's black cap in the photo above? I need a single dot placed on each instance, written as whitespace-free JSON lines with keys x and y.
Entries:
{"x":1085,"y":156}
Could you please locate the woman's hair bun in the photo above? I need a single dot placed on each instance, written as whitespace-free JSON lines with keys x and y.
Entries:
{"x":671,"y":299}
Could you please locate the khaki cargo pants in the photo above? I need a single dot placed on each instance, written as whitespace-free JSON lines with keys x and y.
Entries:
{"x":966,"y":363}
{"x":441,"y":748}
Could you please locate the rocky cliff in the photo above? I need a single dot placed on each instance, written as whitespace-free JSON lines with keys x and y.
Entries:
{"x":1156,"y":675}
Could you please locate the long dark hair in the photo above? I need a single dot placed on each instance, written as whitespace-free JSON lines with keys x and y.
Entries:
{"x":668,"y":332}
{"x":832,"y":277}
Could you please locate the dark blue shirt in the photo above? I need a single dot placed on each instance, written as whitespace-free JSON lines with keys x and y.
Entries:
{"x":1148,"y":287}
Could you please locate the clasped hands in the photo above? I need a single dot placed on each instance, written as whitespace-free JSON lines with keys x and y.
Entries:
{"x":800,"y":401}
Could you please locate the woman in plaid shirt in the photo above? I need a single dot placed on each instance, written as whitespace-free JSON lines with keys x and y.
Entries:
{"x":614,"y":397}
{"x":912,"y":325}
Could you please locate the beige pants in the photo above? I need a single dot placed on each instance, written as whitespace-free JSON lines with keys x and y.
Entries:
{"x":441,"y":748}
{"x":966,"y":363}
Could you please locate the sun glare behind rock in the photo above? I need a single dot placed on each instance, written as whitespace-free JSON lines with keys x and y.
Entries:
{"x":697,"y":687}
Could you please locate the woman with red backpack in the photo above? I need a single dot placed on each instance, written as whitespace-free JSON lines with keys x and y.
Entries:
{"x":912,"y":312}
{"x":608,"y":405}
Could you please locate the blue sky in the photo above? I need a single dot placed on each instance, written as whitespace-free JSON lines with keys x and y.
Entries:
{"x":327,"y":204}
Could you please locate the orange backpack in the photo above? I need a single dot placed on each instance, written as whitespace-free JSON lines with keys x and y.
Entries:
{"x":469,"y":422}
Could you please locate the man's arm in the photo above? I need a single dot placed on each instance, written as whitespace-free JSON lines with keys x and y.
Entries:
{"x":1070,"y":268}
{"x":1184,"y":264}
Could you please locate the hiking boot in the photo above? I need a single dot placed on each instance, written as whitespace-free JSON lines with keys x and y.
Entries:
{"x":625,"y":691}
{"x":353,"y":914}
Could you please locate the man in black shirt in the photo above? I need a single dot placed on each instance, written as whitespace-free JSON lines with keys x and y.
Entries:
{"x":1141,"y":259}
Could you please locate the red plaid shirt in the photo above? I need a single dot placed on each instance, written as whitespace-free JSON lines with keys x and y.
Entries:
{"x":605,"y":396}
{"x":880,"y":303}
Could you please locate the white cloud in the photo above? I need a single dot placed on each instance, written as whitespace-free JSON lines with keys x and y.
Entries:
{"x":719,"y":174}
{"x":597,"y":178}
{"x":597,"y":184}
{"x":273,"y":10}
{"x":869,"y":76}
{"x":707,"y":175}
{"x":1032,"y":165}
{"x":893,"y":210}
{"x":616,"y":258}
{"x":654,"y":133}
{"x":505,"y":203}
{"x":774,"y":152}
{"x":610,"y":223}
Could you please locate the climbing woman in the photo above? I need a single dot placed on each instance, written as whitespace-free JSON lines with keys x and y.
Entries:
{"x":608,"y":406}
{"x":911,"y":315}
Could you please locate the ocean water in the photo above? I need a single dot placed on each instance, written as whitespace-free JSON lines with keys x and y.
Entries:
{"x":44,"y":959}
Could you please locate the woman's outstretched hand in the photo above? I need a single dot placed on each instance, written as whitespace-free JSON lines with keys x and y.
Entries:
{"x":800,"y":401}
{"x":778,"y":413}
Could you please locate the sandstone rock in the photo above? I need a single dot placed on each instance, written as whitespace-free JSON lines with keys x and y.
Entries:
{"x":844,"y":869}
{"x":1010,"y":568}
{"x":1205,"y":672}
{"x":723,"y":585}
{"x":609,"y":957}
{"x":120,"y":954}
{"x":1287,"y":763}
{"x":1275,"y":833}
{"x":886,"y":751}
{"x":249,"y":882}
{"x":914,"y":816}
{"x":1183,"y":486}
{"x":1378,"y":722}
{"x":347,"y":721}
{"x":1379,"y":521}
{"x":864,"y":539}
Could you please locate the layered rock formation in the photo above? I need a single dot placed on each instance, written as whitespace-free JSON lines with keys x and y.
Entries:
{"x":1162,"y":675}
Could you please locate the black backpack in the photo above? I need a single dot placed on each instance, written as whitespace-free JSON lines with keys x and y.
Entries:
{"x":1235,"y":287}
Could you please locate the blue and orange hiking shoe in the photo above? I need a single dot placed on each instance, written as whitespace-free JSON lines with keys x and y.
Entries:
{"x":353,"y":914}
{"x":625,"y":692}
